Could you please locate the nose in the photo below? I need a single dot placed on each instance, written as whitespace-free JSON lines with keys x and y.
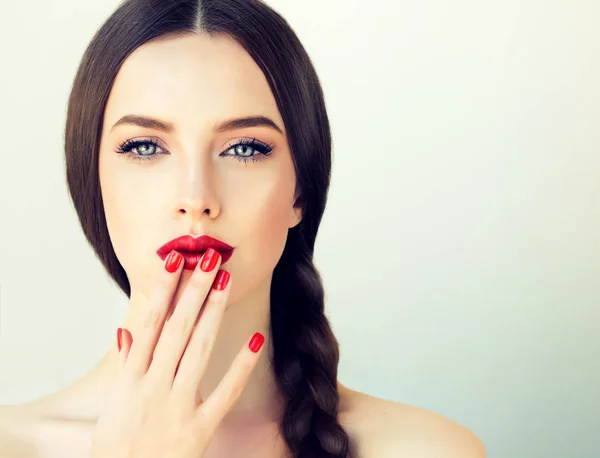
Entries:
{"x":198,"y":200}
{"x":196,"y":209}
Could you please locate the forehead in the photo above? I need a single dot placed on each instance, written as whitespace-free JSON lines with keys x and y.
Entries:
{"x":191,"y":80}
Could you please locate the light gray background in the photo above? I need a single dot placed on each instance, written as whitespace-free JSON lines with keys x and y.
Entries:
{"x":461,"y":245}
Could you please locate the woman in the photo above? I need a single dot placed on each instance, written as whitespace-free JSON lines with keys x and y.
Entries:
{"x":198,"y":157}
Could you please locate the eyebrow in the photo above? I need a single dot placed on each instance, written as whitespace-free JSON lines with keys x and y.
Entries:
{"x":231,"y":124}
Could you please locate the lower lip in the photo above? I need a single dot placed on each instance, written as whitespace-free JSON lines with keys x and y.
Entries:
{"x":192,"y":259}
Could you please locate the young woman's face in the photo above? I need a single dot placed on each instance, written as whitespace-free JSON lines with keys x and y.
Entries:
{"x":181,"y":173}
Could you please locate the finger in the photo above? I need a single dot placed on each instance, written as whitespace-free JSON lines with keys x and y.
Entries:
{"x":178,"y":329}
{"x":233,"y":383}
{"x":126,"y":341}
{"x":194,"y":360}
{"x":147,"y":334}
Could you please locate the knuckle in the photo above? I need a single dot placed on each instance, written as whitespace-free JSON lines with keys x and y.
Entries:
{"x":202,"y":344}
{"x":153,"y":317}
{"x":235,"y":391}
{"x":204,"y":423}
{"x":216,"y":299}
{"x":177,"y":414}
{"x":214,"y":306}
{"x":184,"y":324}
{"x":200,"y":279}
{"x":146,"y":393}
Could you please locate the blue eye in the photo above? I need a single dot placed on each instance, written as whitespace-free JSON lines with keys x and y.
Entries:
{"x":249,"y":150}
{"x":245,"y":150}
{"x":140,"y":150}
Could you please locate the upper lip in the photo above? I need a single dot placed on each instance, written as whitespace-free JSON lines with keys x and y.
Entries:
{"x":189,"y":244}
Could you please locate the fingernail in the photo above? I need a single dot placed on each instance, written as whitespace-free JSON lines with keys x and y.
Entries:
{"x":173,"y":261}
{"x":221,"y":281}
{"x":209,"y":260}
{"x":119,"y":338}
{"x":256,"y":342}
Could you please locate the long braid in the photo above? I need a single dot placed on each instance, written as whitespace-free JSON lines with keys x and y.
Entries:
{"x":305,"y":360}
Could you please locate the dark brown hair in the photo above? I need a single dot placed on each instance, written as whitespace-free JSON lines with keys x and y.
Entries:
{"x":306,"y":353}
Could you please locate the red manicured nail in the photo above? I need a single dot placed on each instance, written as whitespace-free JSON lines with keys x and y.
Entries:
{"x":221,"y":281}
{"x":209,"y":260}
{"x":173,"y":261}
{"x":256,"y":342}
{"x":119,"y":338}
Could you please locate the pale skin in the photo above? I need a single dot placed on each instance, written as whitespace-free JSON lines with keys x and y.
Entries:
{"x":194,"y":186}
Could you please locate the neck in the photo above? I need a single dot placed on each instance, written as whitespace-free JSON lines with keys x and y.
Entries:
{"x":256,"y":404}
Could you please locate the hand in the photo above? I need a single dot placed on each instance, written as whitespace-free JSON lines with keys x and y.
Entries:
{"x":155,"y":410}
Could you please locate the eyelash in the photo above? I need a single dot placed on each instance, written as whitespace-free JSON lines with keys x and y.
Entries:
{"x":262,"y":149}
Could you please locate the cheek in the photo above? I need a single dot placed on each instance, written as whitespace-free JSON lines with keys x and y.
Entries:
{"x":128,"y":210}
{"x":263,"y":219}
{"x":272,"y":225}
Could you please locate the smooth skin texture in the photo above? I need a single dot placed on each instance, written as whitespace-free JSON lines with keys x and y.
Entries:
{"x":156,"y":409}
{"x":194,"y":186}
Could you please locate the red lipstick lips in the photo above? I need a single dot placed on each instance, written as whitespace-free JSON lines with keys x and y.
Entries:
{"x":192,"y":249}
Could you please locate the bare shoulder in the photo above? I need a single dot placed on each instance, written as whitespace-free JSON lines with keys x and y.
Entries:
{"x":14,"y":439}
{"x":382,"y":428}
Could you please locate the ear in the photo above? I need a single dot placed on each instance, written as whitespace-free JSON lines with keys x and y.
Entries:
{"x":296,"y":215}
